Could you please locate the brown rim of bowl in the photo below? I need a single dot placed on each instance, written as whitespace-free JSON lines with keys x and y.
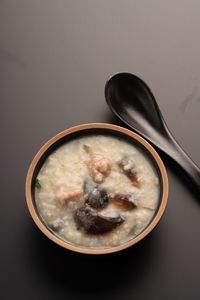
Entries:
{"x":115,"y":128}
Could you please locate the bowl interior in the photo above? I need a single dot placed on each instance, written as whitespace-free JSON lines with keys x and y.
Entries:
{"x":91,"y":131}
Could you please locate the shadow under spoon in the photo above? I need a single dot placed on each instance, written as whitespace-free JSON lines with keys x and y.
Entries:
{"x":130,"y":99}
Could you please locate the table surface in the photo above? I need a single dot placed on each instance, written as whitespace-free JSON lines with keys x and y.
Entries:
{"x":55,"y":58}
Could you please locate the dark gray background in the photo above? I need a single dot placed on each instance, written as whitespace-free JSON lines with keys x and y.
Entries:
{"x":55,"y":57}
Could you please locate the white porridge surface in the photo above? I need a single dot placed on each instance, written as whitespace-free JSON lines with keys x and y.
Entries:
{"x":124,"y":179}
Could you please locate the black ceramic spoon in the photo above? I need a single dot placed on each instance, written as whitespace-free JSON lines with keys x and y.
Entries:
{"x":132,"y":101}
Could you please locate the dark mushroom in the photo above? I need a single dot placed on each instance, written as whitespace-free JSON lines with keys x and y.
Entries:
{"x":94,"y":223}
{"x":95,"y":196}
{"x":128,"y":168}
{"x":123,"y":202}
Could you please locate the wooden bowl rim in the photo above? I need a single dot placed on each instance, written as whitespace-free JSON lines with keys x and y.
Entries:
{"x":80,"y":128}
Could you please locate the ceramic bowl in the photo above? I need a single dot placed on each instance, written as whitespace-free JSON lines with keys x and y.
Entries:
{"x":79,"y":131}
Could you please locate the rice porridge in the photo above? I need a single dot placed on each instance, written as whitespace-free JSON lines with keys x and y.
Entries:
{"x":97,"y":191}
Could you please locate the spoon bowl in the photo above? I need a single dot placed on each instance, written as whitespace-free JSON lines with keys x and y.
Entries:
{"x":131,"y":100}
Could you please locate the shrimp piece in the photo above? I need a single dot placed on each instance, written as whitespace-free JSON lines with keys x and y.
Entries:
{"x":98,"y":165}
{"x":65,"y":194}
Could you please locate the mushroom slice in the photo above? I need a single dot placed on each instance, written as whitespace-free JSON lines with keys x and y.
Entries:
{"x":124,"y":202}
{"x":128,"y":168}
{"x":95,"y":223}
{"x":95,"y":196}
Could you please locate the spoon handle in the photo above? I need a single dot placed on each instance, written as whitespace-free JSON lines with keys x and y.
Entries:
{"x":175,"y":151}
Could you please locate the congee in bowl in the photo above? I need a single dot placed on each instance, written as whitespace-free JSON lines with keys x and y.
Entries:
{"x":97,"y":190}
